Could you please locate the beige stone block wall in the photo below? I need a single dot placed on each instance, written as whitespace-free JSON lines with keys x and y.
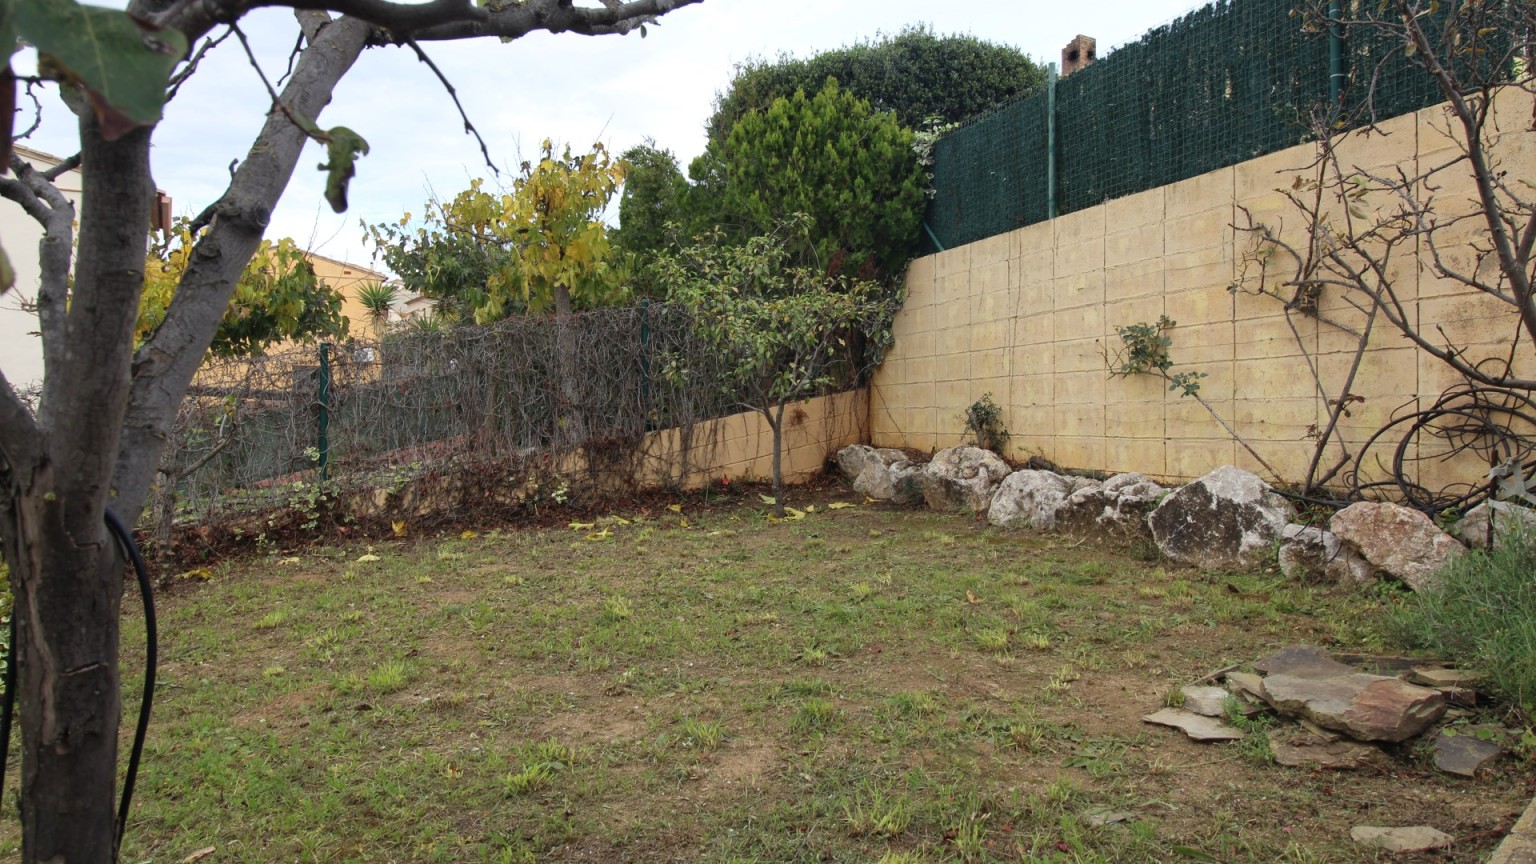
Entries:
{"x":1031,"y":318}
{"x":741,"y":445}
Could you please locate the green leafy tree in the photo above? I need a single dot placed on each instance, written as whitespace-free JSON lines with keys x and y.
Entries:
{"x":278,"y":297}
{"x":655,"y":193}
{"x":109,"y":399}
{"x":540,"y":246}
{"x":920,"y":77}
{"x":778,"y":326}
{"x":831,"y":156}
{"x":448,"y":262}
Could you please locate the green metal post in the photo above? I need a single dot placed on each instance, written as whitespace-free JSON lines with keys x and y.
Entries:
{"x":932,"y":236}
{"x":1050,"y":141}
{"x":1335,"y":56}
{"x":323,"y":444}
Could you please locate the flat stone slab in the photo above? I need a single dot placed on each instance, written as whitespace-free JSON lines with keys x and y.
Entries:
{"x":1303,"y":661}
{"x":1519,"y":847}
{"x":1198,"y":727}
{"x":1464,"y":755}
{"x":1381,"y":664}
{"x":1364,"y":707}
{"x":1246,"y":684}
{"x":1300,"y":748}
{"x":1433,"y":676}
{"x":1417,"y":838}
{"x":1205,"y":701}
{"x":1104,"y":816}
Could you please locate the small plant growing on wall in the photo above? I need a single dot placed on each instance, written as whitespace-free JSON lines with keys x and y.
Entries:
{"x":984,"y":421}
{"x":1144,"y":350}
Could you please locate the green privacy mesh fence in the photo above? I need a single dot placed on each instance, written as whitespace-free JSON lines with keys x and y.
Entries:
{"x":1224,"y":84}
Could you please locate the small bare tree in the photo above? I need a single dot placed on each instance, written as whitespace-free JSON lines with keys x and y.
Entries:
{"x":1461,"y":217}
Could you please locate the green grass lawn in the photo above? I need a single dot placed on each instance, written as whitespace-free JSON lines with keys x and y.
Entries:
{"x":863,"y":684}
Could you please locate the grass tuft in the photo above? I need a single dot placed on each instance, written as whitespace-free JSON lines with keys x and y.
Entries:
{"x":389,"y":677}
{"x":814,"y":715}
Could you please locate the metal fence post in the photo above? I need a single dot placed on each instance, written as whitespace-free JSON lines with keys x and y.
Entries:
{"x":323,"y":397}
{"x":1050,"y":140}
{"x":1335,"y":56}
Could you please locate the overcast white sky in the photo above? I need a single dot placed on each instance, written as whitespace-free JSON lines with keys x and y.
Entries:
{"x":619,"y":90}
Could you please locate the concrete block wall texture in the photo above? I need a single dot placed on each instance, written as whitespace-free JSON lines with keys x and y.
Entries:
{"x":1030,"y":317}
{"x":741,"y":445}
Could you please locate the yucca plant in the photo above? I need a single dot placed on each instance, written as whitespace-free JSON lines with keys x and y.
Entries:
{"x":378,"y":299}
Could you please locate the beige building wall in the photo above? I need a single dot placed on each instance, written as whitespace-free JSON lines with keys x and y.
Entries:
{"x":1029,"y":316}
{"x":345,"y":278}
{"x":21,"y":349}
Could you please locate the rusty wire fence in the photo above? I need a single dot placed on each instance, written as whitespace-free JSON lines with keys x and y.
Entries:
{"x":511,"y":400}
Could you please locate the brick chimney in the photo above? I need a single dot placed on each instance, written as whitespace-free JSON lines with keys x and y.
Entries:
{"x":1078,"y":53}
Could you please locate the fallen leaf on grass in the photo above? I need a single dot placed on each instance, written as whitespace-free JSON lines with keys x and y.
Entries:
{"x":293,"y":560}
{"x":467,"y":535}
{"x":199,"y":855}
{"x":600,"y":535}
{"x":838,"y":505}
{"x":792,"y":514}
{"x":675,"y":508}
{"x":201,"y":574}
{"x":582,"y":526}
{"x":971,"y":598}
{"x":365,"y":559}
{"x":767,"y":499}
{"x":398,"y":528}
{"x":683,"y":522}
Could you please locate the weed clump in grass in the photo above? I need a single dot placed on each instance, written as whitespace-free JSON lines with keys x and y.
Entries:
{"x":913,"y":703}
{"x":389,"y":677}
{"x":530,"y":778}
{"x":544,"y":760}
{"x":814,"y":656}
{"x":702,"y":734}
{"x":993,"y":639}
{"x":877,"y":813}
{"x":814,"y":715}
{"x":616,"y":609}
{"x":1482,"y":613}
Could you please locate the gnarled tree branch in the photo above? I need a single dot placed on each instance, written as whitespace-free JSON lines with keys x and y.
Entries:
{"x":164,"y":366}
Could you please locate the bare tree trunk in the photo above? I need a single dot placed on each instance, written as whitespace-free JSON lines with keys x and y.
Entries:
{"x":67,"y":590}
{"x":65,"y":574}
{"x":776,"y":423}
{"x":166,"y":479}
{"x":572,"y":425}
